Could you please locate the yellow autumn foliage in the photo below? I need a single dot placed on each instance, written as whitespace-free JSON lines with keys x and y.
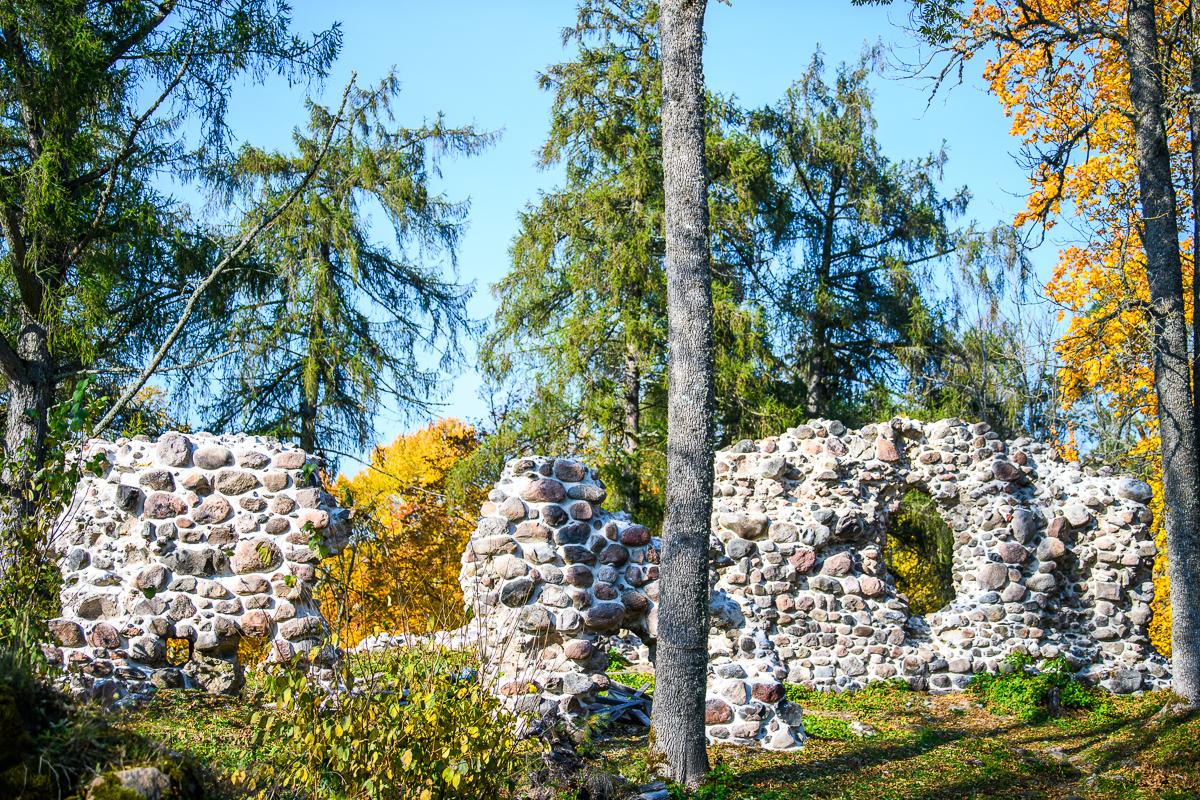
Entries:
{"x":1051,"y":93}
{"x":918,"y":551}
{"x":401,"y":573}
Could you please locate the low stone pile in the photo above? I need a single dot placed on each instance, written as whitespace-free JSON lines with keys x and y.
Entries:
{"x":192,"y":544}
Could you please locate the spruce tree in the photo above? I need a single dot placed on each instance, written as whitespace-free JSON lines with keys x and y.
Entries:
{"x":582,"y":312}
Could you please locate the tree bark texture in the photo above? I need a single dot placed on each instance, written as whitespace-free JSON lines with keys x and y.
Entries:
{"x":30,"y":375}
{"x":681,"y":668}
{"x":1172,"y":369}
{"x":631,"y":398}
{"x":1194,"y":137}
{"x":31,"y":391}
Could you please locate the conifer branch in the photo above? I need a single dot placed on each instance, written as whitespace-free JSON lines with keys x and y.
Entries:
{"x":193,"y":300}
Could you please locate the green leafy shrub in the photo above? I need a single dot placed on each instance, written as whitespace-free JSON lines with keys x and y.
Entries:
{"x":1033,"y":694}
{"x":636,"y":680}
{"x":39,"y":485}
{"x":47,"y":744}
{"x":404,"y":731}
{"x":616,"y":661}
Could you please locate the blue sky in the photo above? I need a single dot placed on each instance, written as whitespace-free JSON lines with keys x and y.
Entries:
{"x":477,"y":61}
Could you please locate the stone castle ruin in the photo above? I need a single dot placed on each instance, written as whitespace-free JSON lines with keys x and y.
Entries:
{"x":1047,"y":561}
{"x":198,"y":542}
{"x":207,"y":540}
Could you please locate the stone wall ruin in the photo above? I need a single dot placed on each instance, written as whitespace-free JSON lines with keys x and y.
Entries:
{"x":1049,"y":561}
{"x":206,"y":539}
{"x":200,"y":539}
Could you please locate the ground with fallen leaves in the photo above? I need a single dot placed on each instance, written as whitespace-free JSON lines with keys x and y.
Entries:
{"x":885,"y":745}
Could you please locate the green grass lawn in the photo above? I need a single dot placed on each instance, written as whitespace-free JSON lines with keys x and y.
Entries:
{"x":924,"y":747}
{"x":950,"y":747}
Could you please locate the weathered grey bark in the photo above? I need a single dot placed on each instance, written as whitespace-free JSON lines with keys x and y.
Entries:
{"x":31,"y":390}
{"x":310,"y":389}
{"x":681,"y":667}
{"x":308,"y":424}
{"x":631,"y":398}
{"x":1194,"y":136}
{"x":30,"y":375}
{"x":1172,"y":370}
{"x":817,"y":353}
{"x":820,"y":357}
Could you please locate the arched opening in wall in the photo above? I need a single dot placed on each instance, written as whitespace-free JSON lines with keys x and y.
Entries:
{"x":919,"y":552}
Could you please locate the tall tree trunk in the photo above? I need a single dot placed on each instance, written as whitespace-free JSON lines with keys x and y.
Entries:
{"x":1172,"y":374}
{"x":1194,"y":135}
{"x":681,"y":667}
{"x":31,"y":392}
{"x":308,"y":424}
{"x":631,"y":433}
{"x":310,"y":381}
{"x":820,"y":359}
{"x":815,"y":402}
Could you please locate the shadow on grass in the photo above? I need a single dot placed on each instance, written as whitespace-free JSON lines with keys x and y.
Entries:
{"x":1000,"y":766}
{"x":1147,"y":732}
{"x":867,"y":754}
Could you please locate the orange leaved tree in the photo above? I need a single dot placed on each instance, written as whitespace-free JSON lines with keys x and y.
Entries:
{"x":1071,"y":102}
{"x":1103,"y":93}
{"x":401,"y":572}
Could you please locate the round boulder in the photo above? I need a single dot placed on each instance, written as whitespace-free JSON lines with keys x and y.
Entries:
{"x":235,"y":481}
{"x":212,"y":456}
{"x":544,"y":490}
{"x":256,"y":555}
{"x":163,"y":505}
{"x":212,"y":510}
{"x":174,"y":450}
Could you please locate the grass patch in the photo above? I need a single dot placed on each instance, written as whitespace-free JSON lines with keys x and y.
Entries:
{"x":948,"y":747}
{"x":635,"y":680}
{"x":818,"y":726}
{"x":875,"y":697}
{"x":1032,"y":694}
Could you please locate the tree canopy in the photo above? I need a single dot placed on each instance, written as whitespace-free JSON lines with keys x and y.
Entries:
{"x":328,"y":319}
{"x":104,"y":105}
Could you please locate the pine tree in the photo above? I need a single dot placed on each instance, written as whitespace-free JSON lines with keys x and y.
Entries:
{"x":331,"y":321}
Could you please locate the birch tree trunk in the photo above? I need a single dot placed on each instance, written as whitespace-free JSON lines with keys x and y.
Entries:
{"x":681,"y":667}
{"x":1172,"y":368}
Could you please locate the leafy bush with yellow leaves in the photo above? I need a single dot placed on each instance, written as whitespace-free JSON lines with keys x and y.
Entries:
{"x":413,"y":727}
{"x":919,"y":552}
{"x":401,"y":573}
